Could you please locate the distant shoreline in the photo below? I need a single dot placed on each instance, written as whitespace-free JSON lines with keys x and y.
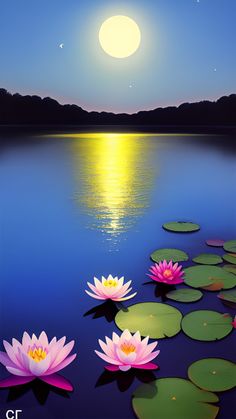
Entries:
{"x":155,"y":129}
{"x":46,"y":114}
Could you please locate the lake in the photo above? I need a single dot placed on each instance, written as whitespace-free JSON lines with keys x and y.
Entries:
{"x":75,"y":206}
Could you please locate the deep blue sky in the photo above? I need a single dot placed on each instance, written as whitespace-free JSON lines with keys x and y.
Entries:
{"x":187,"y":52}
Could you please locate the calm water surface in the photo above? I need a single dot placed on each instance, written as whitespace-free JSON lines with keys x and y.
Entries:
{"x":75,"y":206}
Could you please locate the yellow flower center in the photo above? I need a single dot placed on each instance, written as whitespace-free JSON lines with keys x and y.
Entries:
{"x":167,"y":273}
{"x":110,"y":283}
{"x":128,"y":348}
{"x":37,"y":354}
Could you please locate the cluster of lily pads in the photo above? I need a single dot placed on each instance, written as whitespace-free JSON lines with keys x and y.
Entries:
{"x":40,"y":358}
{"x":167,"y":397}
{"x":178,"y":397}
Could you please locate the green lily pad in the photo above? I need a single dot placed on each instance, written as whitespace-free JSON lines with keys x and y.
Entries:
{"x":208,"y":259}
{"x":151,"y":319}
{"x":230,"y":246}
{"x":213,"y":374}
{"x":173,"y":398}
{"x":228,"y":296}
{"x":206,"y":325}
{"x":229,"y":258}
{"x":204,"y":276}
{"x":181,"y":227}
{"x":175,"y":255}
{"x":230,"y":268}
{"x":184,"y":295}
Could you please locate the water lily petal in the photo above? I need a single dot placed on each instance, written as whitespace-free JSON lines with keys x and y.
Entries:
{"x":56,"y":348}
{"x":145,"y":350}
{"x":112,"y":368}
{"x":24,"y":361}
{"x":43,"y":339}
{"x":137,"y":337}
{"x":15,"y":381}
{"x":6,"y":361}
{"x":26,"y":341}
{"x":121,"y":293}
{"x":126,"y":335}
{"x":21,"y":373}
{"x":11,"y":353}
{"x":62,"y":365}
{"x":124,"y":367}
{"x":107,"y":358}
{"x":148,"y":358}
{"x":124,"y":358}
{"x":58,"y":381}
{"x":110,"y":344}
{"x":39,"y":368}
{"x":95,"y":290}
{"x":148,"y":366}
{"x":99,"y":285}
{"x":107,"y":349}
{"x":125,"y":298}
{"x":95,"y":296}
{"x":115,"y":338}
{"x":63,"y":354}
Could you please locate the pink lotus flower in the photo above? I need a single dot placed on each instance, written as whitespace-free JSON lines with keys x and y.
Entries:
{"x":110,"y":289}
{"x":37,"y":358}
{"x":128,"y":351}
{"x":167,"y":273}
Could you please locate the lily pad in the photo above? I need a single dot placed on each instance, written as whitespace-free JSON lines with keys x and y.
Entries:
{"x":184,"y":295}
{"x":231,"y":258}
{"x":208,"y":259}
{"x":204,"y":276}
{"x":215,"y":242}
{"x":230,"y":268}
{"x":213,"y":374}
{"x":181,"y":227}
{"x":228,"y":296}
{"x":230,"y":246}
{"x":175,"y":255}
{"x":206,"y":325}
{"x":156,"y":320}
{"x":173,"y":398}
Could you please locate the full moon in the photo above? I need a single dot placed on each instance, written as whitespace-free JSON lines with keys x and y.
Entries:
{"x":119,"y":36}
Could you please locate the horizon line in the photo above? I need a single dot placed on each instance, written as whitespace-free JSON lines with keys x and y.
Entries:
{"x":118,"y":113}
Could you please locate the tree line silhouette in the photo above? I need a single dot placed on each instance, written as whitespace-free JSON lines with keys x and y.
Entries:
{"x":33,"y":110}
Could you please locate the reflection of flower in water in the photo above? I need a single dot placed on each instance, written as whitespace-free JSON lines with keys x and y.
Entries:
{"x":114,"y":178}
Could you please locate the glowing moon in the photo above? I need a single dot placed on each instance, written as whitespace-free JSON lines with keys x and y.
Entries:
{"x":119,"y":36}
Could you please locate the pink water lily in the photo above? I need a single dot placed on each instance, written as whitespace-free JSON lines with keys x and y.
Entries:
{"x":167,"y":273}
{"x":37,"y":358}
{"x":128,"y":351}
{"x":110,"y":289}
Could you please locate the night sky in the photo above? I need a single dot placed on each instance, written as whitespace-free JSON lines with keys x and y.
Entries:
{"x":187,"y":52}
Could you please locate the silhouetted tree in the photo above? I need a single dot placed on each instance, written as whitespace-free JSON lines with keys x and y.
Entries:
{"x":18,"y":109}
